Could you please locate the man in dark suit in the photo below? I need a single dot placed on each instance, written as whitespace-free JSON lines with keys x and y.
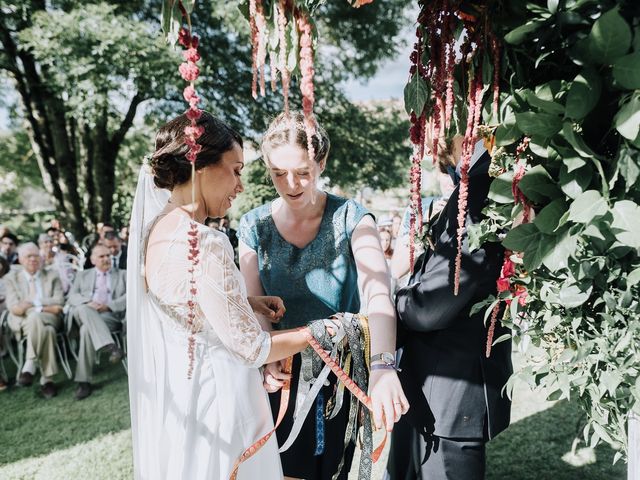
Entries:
{"x":118,"y":251}
{"x":455,"y":392}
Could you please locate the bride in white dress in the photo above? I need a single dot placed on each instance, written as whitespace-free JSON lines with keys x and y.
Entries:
{"x":196,"y":428}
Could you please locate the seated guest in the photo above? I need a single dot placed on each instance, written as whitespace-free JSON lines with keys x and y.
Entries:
{"x":34,"y":300}
{"x":4,"y":269}
{"x":8,"y":247}
{"x":124,"y":235}
{"x":47,"y":252}
{"x":98,"y":299}
{"x":104,"y":229}
{"x":118,"y":251}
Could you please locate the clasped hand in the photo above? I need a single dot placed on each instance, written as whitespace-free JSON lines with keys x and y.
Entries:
{"x":268,"y":306}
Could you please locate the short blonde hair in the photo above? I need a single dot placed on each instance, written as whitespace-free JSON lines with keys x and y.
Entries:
{"x":290,"y":130}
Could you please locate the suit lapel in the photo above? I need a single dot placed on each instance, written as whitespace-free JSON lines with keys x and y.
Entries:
{"x":23,"y":286}
{"x":91,"y":280}
{"x":114,"y":282}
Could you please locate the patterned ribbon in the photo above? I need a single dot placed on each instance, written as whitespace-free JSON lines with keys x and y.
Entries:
{"x":359,"y":349}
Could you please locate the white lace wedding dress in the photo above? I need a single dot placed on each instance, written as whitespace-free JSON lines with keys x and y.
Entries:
{"x":196,"y":428}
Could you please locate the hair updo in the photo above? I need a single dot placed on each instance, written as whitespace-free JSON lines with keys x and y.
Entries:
{"x":290,"y":130}
{"x":169,"y":163}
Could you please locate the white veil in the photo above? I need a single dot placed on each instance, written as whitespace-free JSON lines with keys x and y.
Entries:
{"x":145,"y":345}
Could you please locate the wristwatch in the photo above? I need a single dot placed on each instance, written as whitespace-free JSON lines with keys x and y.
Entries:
{"x":387,"y":358}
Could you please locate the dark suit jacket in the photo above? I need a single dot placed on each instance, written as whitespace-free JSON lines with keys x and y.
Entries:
{"x":122,"y":261}
{"x":451,"y":385}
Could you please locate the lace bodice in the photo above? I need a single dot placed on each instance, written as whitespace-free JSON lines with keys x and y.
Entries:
{"x":222,"y":310}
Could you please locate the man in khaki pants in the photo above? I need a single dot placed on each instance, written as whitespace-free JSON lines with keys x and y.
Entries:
{"x":98,"y":301}
{"x":34,"y":300}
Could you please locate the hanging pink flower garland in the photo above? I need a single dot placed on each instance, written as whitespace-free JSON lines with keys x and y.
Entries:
{"x":287,"y":23}
{"x":437,"y":23}
{"x":190,"y":72}
{"x":508,"y":270}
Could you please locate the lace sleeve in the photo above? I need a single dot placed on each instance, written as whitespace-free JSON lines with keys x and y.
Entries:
{"x":223,"y":301}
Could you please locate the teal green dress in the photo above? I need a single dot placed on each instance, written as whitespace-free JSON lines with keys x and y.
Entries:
{"x":314,"y":282}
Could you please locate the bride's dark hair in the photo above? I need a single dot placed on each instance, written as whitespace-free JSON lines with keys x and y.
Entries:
{"x":170,"y":165}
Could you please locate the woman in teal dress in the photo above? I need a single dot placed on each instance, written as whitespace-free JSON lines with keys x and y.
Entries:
{"x":316,"y":251}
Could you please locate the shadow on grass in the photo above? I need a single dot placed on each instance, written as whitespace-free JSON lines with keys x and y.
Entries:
{"x":33,"y":426}
{"x":532,"y":449}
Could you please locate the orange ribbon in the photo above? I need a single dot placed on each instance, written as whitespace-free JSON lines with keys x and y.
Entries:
{"x":284,"y":400}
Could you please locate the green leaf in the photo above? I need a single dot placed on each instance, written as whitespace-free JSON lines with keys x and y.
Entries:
{"x":627,"y":120}
{"x":576,"y":182}
{"x":572,"y":296}
{"x":507,"y":132}
{"x":539,"y":124}
{"x":587,"y":206}
{"x":528,"y":239}
{"x":626,"y":219}
{"x":626,"y":71}
{"x":544,"y":105}
{"x":538,"y":185}
{"x":519,"y":34}
{"x":416,"y":94}
{"x":519,"y":238}
{"x":560,"y":250}
{"x":610,"y":37}
{"x":629,"y":167}
{"x":548,"y":220}
{"x":500,"y":189}
{"x":502,"y":338}
{"x":583,"y":94}
{"x":576,"y":141}
{"x":633,"y":278}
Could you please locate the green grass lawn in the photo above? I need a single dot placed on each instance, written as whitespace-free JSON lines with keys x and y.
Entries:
{"x":63,"y":439}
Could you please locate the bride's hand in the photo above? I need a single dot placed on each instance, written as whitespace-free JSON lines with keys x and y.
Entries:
{"x":270,"y":307}
{"x":274,"y":377}
{"x":387,"y":398}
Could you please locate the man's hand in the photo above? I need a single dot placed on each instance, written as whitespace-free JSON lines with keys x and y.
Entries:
{"x":53,"y":309}
{"x":274,"y":376}
{"x":387,"y":398}
{"x":100,"y":307}
{"x":270,"y":307}
{"x":21,"y":308}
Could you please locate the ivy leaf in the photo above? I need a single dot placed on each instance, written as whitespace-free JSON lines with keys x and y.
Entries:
{"x":626,"y":71}
{"x":538,"y":185}
{"x":587,"y":206}
{"x":610,"y":37}
{"x":583,"y":94}
{"x":548,"y":220}
{"x":416,"y":94}
{"x":627,"y":120}
{"x":500,"y":190}
{"x":538,"y":124}
{"x":625,"y":219}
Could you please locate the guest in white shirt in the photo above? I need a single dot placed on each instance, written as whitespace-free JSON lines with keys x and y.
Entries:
{"x":34,"y":300}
